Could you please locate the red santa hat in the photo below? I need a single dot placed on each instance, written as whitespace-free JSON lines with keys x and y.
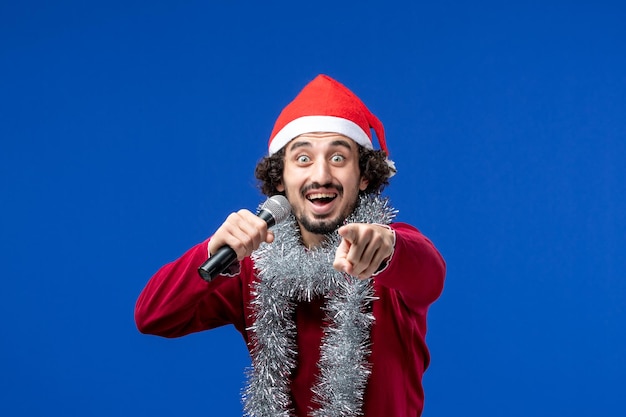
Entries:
{"x":325,"y":105}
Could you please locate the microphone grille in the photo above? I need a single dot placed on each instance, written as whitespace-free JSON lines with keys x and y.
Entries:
{"x":278,"y":207}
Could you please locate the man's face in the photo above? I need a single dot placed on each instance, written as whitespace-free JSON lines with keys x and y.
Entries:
{"x":321,"y":180}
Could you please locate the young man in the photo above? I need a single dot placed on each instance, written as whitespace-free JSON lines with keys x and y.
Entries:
{"x":332,"y":302}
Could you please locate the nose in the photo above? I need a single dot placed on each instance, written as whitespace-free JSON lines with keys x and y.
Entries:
{"x":321,"y":172}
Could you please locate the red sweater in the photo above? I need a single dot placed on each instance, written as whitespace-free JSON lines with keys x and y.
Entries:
{"x":176,"y":302}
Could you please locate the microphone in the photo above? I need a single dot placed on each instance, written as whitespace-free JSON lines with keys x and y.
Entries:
{"x":273,"y":211}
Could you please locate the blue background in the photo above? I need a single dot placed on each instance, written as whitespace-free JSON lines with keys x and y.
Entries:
{"x":129,"y":130}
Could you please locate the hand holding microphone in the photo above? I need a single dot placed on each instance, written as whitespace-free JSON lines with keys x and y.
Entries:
{"x":241,"y":234}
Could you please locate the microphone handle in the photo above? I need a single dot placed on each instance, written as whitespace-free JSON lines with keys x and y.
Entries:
{"x":217,"y":263}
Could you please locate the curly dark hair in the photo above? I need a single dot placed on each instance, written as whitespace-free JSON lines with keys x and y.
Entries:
{"x":372,"y":165}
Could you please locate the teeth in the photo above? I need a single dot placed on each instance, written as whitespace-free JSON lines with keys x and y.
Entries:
{"x":320,"y":195}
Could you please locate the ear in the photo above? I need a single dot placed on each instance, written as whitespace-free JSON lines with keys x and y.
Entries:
{"x":280,"y":187}
{"x":363,"y":184}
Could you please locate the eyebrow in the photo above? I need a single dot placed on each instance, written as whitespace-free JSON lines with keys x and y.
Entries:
{"x":304,"y":143}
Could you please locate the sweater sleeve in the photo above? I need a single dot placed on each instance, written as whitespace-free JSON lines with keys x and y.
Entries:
{"x":176,"y":301}
{"x":416,"y":269}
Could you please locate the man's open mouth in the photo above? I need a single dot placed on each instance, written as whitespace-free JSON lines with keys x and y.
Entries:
{"x":321,"y":198}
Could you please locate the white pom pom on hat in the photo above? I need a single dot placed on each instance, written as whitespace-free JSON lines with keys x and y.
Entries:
{"x":325,"y":105}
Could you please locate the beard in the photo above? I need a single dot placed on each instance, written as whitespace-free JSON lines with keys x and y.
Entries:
{"x":320,"y":227}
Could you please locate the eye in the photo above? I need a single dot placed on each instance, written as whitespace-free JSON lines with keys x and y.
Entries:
{"x":337,"y":158}
{"x":303,"y":159}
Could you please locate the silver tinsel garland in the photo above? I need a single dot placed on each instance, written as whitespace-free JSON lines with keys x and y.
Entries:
{"x":289,"y":273}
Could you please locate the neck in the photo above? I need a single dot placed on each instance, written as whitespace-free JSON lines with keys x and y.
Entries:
{"x":311,"y":240}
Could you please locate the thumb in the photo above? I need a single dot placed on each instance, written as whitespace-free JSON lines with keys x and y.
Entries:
{"x":348,"y":232}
